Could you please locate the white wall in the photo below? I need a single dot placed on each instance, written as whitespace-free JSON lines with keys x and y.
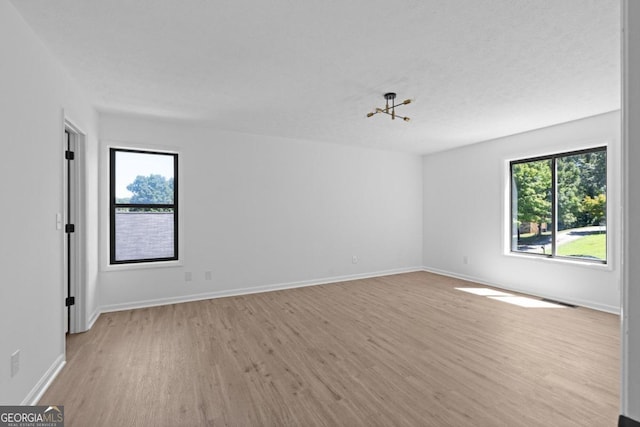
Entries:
{"x":466,"y":212}
{"x":35,"y":96}
{"x":631,"y":295}
{"x":266,"y":212}
{"x":262,"y":212}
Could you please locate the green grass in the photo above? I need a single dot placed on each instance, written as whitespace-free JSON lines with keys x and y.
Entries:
{"x":594,"y":245}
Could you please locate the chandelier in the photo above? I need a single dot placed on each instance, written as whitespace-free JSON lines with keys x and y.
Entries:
{"x":391,"y":109}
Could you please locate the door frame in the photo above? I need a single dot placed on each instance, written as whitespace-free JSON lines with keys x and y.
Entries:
{"x":76,"y":273}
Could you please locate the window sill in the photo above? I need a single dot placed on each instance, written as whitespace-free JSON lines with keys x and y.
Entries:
{"x":143,"y":265}
{"x":562,"y":261}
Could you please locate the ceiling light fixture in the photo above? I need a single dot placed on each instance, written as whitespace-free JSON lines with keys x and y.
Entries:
{"x":391,"y":109}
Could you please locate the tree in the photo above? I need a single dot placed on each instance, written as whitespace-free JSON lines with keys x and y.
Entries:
{"x":569,"y":194}
{"x":533,"y":186}
{"x":593,"y":167}
{"x":580,"y":190}
{"x":154,"y":189}
{"x":595,"y":208}
{"x":582,"y":186}
{"x":593,"y":188}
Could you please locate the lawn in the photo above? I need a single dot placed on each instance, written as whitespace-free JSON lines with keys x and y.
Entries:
{"x":591,"y":246}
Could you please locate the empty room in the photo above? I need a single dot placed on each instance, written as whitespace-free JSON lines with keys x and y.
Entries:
{"x":356,"y":213}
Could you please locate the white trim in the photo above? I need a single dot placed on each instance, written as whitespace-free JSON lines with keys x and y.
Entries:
{"x":79,"y":280}
{"x":575,"y":301}
{"x":625,"y":259}
{"x":577,"y":262}
{"x":612,"y":203}
{"x":104,"y":206}
{"x":60,"y":226}
{"x":43,"y":384}
{"x":92,"y":319}
{"x":575,"y":144}
{"x":252,"y":290}
{"x":145,"y":265}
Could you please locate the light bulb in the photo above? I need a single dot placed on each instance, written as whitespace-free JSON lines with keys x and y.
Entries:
{"x":370,"y":114}
{"x":406,"y":119}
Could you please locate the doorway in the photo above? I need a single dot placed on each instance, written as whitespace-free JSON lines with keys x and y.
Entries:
{"x":73,"y":228}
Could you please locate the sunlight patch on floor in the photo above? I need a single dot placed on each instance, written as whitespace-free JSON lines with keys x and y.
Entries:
{"x":511,"y":299}
{"x":485,"y":292}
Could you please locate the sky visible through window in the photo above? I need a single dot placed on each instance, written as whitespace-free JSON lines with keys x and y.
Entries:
{"x":130,"y":165}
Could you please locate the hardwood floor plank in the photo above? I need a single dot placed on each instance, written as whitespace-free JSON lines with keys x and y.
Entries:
{"x":403,"y":350}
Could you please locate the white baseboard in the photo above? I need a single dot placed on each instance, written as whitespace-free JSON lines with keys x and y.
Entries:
{"x":573,"y":301}
{"x":43,"y":384}
{"x":251,"y":290}
{"x":92,"y":319}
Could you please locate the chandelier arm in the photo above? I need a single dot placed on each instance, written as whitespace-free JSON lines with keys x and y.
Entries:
{"x":391,"y":109}
{"x":397,"y":116}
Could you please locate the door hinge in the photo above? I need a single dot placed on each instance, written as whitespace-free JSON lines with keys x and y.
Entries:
{"x":70,"y":301}
{"x":70,"y":228}
{"x":69,"y":155}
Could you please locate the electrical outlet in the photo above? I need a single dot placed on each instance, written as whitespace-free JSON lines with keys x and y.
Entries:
{"x":465,"y":259}
{"x":188,"y":276}
{"x":15,"y":363}
{"x":354,"y":259}
{"x":207,"y":275}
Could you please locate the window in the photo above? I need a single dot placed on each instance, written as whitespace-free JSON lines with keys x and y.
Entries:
{"x":559,"y":205}
{"x":143,"y":206}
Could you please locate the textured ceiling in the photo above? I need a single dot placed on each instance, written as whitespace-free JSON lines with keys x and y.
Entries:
{"x":477,"y":69}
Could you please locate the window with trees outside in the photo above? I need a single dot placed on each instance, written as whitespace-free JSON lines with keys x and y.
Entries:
{"x":559,"y":205}
{"x":143,"y":206}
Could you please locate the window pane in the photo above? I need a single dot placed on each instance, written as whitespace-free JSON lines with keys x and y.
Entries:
{"x":582,"y":206}
{"x":144,"y":233}
{"x":531,"y":207}
{"x":145,"y":178}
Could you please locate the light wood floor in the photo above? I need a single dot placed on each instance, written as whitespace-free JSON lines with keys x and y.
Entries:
{"x":403,"y":350}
